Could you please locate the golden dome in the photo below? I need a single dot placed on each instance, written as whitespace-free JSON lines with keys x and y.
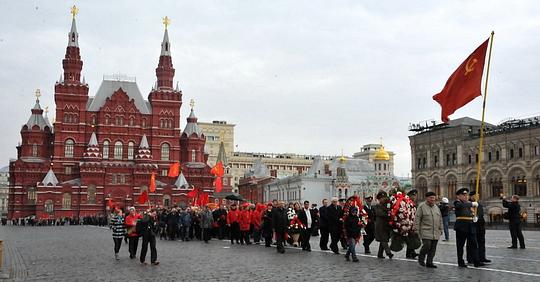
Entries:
{"x":381,"y":154}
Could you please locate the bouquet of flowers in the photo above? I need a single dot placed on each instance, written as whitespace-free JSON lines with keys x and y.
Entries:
{"x":402,"y":211}
{"x":295,"y":226}
{"x":354,"y":201}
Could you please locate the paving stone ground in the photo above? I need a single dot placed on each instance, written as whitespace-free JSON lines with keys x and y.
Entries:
{"x":85,"y":253}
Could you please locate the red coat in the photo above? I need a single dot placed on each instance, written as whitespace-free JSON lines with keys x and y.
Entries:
{"x":233,"y":216}
{"x":256,"y":219}
{"x":131,"y":221}
{"x":245,"y":220}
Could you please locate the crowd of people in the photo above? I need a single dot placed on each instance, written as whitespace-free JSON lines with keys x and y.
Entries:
{"x":97,"y":220}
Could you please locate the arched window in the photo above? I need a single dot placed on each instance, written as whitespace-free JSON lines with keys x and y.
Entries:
{"x":105,"y":149}
{"x":193,"y":155}
{"x":131,"y":146}
{"x":68,"y":148}
{"x":119,"y":120}
{"x":131,"y":121}
{"x":91,"y":195}
{"x":118,"y":150}
{"x":66,"y":201}
{"x":143,"y":123}
{"x":49,"y":206}
{"x":165,"y":152}
{"x":31,"y":195}
{"x":107,"y":119}
{"x":34,"y":150}
{"x":166,"y":200}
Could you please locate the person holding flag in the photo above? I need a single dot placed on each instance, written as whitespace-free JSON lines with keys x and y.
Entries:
{"x":133,"y":237}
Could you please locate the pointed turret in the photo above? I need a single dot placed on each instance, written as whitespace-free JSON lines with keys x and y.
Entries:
{"x":36,"y":119}
{"x":165,"y":70}
{"x":192,"y":127}
{"x":92,"y":151}
{"x":144,"y":153}
{"x":181,"y":182}
{"x":72,"y":62}
{"x":222,"y":156}
{"x":50,"y":178}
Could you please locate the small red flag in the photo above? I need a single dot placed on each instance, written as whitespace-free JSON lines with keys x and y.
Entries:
{"x":218,"y":171}
{"x":464,"y":84}
{"x":203,"y":199}
{"x":110,"y":203}
{"x":192,"y":193}
{"x":143,"y":198}
{"x":174,"y":169}
{"x":153,"y":182}
{"x":218,"y":183}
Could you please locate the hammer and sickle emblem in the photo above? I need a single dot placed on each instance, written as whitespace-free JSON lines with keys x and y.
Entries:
{"x":469,"y":67}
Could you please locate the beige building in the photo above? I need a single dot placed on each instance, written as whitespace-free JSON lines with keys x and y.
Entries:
{"x":444,"y":158}
{"x":215,"y":132}
{"x":4,"y":190}
{"x":375,"y":153}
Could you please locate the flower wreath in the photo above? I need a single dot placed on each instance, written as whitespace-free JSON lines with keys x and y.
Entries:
{"x":402,"y":212}
{"x":296,"y":226}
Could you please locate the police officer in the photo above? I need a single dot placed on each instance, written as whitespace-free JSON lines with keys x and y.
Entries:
{"x":465,"y":231}
{"x":480,"y":229}
{"x":370,"y":228}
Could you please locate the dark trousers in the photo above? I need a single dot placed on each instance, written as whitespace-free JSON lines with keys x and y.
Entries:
{"x":256,"y":235}
{"x":351,"y":245}
{"x":334,"y":237}
{"x":383,"y":247}
{"x":323,"y":241}
{"x":470,"y":238}
{"x":369,"y":237}
{"x":144,"y":248}
{"x":429,"y":247}
{"x":235,"y":232}
{"x":268,"y":240}
{"x":515,"y":232}
{"x":245,"y":237}
{"x":206,"y":234}
{"x":306,"y":235}
{"x":133,"y":243}
{"x":410,"y":251}
{"x":184,"y":230}
{"x":280,"y":240}
{"x":481,"y":243}
{"x":117,"y":244}
{"x":222,"y":231}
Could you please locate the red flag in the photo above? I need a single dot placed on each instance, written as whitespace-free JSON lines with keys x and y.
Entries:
{"x":192,"y":193}
{"x":174,"y":169}
{"x":110,"y":203}
{"x":153,"y":182}
{"x":464,"y":84}
{"x":143,"y":198}
{"x":218,"y":183}
{"x":203,"y":199}
{"x":218,"y":171}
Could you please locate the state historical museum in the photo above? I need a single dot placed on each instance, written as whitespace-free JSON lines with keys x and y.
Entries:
{"x":103,"y":149}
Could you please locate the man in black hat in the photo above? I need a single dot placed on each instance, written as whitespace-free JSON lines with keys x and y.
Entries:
{"x":480,"y":230}
{"x":411,"y":253}
{"x":370,"y":227}
{"x":465,"y":231}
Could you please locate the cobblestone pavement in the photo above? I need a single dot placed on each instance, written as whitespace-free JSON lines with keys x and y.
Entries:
{"x":85,"y":253}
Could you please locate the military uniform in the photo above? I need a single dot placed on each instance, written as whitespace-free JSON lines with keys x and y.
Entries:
{"x":480,"y":228}
{"x":465,"y":230}
{"x":411,"y":253}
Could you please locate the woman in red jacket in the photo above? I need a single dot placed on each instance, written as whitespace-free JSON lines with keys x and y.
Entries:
{"x":245,"y":222}
{"x":233,"y":217}
{"x":131,"y":222}
{"x":256,"y":212}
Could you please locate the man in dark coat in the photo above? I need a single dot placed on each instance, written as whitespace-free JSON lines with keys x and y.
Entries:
{"x":515,"y":221}
{"x":334,"y":213}
{"x":382,"y":226}
{"x":306,"y":216}
{"x":280,"y":222}
{"x":480,"y":229}
{"x":465,"y":231}
{"x":323,"y":225}
{"x":315,"y":229}
{"x":149,"y":231}
{"x":370,"y":227}
{"x":411,"y":253}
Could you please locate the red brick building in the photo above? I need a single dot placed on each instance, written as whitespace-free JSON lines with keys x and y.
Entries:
{"x":106,"y":147}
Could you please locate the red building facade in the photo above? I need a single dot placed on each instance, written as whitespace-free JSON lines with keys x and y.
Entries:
{"x":106,"y":147}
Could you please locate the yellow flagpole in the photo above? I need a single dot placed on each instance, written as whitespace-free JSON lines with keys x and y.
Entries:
{"x":481,"y":147}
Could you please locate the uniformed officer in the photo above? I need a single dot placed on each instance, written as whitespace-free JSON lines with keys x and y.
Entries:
{"x":480,"y":229}
{"x":465,"y":231}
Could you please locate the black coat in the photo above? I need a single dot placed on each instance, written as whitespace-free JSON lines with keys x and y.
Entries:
{"x":266,"y":223}
{"x":352,"y":229}
{"x":280,"y":222}
{"x":302,"y":216}
{"x":323,"y":217}
{"x":370,"y":210}
{"x":513,"y":211}
{"x":334,"y":215}
{"x":382,"y":226}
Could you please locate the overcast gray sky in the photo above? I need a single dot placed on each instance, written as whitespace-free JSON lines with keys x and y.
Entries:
{"x":309,"y":77}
